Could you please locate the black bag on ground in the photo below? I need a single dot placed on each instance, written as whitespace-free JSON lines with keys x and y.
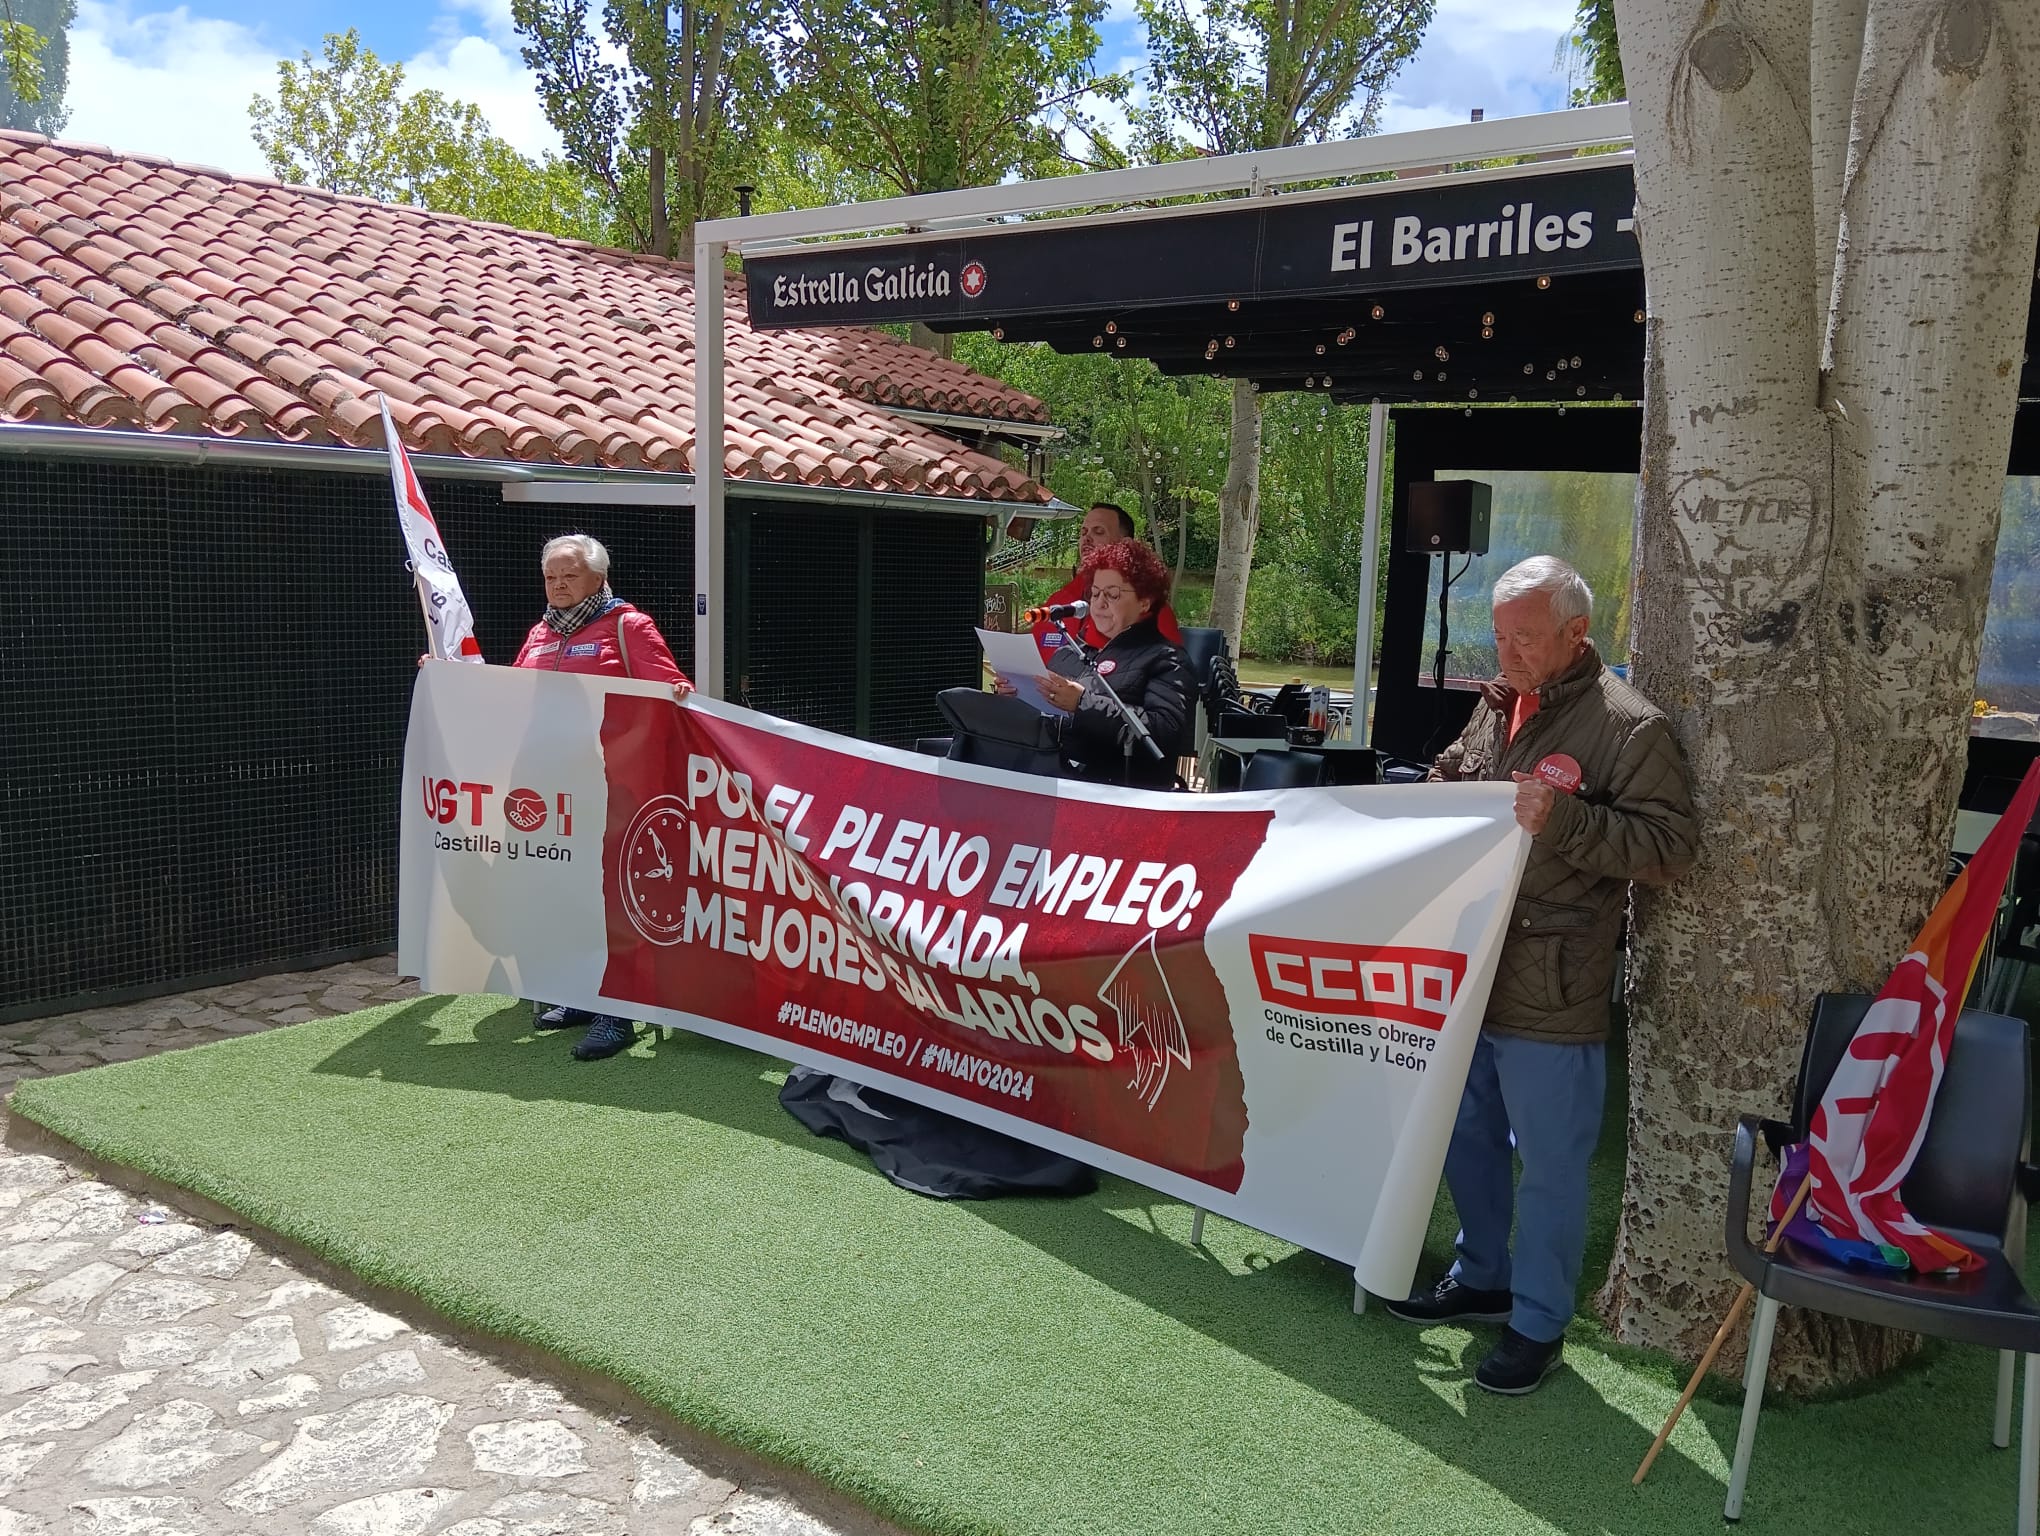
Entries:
{"x":924,"y":1150}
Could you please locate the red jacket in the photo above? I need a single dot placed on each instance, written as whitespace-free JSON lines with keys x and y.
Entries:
{"x":1050,"y":639}
{"x":622,"y":643}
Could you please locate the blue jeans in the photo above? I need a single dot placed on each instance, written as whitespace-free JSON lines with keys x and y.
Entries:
{"x":1549,"y":1096}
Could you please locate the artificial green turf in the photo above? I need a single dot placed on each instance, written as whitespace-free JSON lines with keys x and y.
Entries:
{"x":1012,"y":1366}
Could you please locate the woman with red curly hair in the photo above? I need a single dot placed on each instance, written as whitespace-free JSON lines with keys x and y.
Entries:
{"x":1126,"y":585}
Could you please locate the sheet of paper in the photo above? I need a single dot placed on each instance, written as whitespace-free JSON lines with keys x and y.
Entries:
{"x":1017,"y":660}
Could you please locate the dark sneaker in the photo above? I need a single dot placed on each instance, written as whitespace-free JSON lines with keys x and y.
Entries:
{"x":1450,"y":1302}
{"x":606,"y":1035}
{"x":556,"y":1016}
{"x":1517,"y":1366}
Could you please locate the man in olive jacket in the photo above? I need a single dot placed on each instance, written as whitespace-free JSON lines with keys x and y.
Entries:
{"x":1603,"y":793}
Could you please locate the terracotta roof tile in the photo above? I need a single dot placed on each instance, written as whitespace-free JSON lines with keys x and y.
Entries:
{"x":159,"y":297}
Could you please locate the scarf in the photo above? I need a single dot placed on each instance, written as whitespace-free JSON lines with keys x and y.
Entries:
{"x":564,"y":621}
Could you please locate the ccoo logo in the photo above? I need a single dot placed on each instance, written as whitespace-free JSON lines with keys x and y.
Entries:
{"x":524,"y":809}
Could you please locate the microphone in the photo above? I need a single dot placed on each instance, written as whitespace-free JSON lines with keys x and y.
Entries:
{"x":1057,"y":611}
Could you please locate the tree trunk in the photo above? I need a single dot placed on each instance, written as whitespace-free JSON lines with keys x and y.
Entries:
{"x":941,"y":343}
{"x":1182,"y":540}
{"x":1814,"y":551}
{"x":1239,"y":515}
{"x":655,"y":190}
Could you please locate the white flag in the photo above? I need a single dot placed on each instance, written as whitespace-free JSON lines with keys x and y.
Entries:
{"x":447,"y":617}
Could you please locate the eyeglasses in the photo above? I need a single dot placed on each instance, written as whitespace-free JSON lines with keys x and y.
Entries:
{"x":1110,"y":595}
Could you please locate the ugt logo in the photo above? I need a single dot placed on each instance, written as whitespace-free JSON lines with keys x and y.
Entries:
{"x":525,"y":810}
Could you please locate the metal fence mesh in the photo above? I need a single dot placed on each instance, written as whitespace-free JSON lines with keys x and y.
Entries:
{"x":209,"y":672}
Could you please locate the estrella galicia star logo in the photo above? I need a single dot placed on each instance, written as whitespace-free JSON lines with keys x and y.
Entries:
{"x":973,"y":280}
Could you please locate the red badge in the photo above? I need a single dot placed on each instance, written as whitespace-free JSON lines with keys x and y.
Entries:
{"x":972,"y":280}
{"x":1107,"y":668}
{"x":1560,"y":772}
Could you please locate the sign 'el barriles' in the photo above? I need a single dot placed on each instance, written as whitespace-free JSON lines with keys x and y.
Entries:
{"x":1553,"y":221}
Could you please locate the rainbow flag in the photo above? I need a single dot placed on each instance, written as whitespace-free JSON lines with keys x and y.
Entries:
{"x":1873,"y":1118}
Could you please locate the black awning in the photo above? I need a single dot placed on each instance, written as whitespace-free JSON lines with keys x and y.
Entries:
{"x":1343,"y":245}
{"x":1524,"y":283}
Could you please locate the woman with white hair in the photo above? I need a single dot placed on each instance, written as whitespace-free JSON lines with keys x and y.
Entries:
{"x":588,"y":628}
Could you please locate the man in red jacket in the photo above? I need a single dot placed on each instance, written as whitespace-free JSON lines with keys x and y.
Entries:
{"x":1106,"y":523}
{"x":588,"y":628}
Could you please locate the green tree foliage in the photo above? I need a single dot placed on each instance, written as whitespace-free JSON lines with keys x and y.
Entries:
{"x":1591,"y":55}
{"x":35,"y":63}
{"x":1235,"y":75}
{"x":1229,"y":76}
{"x":348,"y":125}
{"x":665,"y":108}
{"x":929,"y":95}
{"x":1133,"y":435}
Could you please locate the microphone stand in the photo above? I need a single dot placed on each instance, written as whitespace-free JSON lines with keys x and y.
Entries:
{"x":1134,"y":723}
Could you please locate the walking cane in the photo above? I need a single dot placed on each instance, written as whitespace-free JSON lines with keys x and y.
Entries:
{"x":1742,"y":1299}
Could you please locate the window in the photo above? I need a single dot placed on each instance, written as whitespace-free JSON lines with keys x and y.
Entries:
{"x":1585,"y":518}
{"x":2008,"y":676}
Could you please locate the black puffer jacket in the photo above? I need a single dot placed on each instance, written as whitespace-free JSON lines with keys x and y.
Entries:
{"x":1152,"y":679}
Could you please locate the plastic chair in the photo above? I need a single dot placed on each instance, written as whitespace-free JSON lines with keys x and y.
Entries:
{"x":1284,"y":770}
{"x":1971,"y":1180}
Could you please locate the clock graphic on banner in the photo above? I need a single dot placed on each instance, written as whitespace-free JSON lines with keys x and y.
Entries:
{"x":648,"y":875}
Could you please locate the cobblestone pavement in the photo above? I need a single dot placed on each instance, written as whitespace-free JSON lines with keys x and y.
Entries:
{"x":162,"y":1377}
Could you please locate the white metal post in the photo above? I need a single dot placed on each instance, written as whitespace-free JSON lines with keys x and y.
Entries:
{"x":708,"y":467}
{"x":1370,"y":576}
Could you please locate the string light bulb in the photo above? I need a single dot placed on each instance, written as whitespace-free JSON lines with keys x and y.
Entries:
{"x":1111,"y":327}
{"x":1487,"y":333}
{"x":1233,"y":305}
{"x":1379,"y":313}
{"x":1488,"y":318}
{"x":1441,"y":354}
{"x":1543,"y":283}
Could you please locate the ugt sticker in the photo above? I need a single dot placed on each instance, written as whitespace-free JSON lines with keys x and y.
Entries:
{"x":1560,"y":771}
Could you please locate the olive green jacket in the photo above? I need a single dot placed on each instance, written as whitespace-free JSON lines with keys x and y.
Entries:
{"x":1630,"y":819}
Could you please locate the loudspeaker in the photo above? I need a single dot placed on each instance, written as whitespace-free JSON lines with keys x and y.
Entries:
{"x":1449,"y":517}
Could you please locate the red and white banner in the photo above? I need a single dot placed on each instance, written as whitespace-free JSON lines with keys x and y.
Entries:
{"x":449,"y":623}
{"x":1261,"y":1003}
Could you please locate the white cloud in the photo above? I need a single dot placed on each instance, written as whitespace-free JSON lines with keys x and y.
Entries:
{"x":493,"y":77}
{"x":1498,"y":55}
{"x":170,"y":82}
{"x":167,"y":83}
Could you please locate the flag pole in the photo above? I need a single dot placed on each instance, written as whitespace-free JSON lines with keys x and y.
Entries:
{"x":1735,"y":1312}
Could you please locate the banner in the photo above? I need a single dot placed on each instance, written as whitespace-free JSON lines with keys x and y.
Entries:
{"x":1260,"y":1003}
{"x":449,"y":624}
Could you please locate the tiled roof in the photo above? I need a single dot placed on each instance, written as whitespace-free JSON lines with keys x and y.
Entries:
{"x":142,"y":294}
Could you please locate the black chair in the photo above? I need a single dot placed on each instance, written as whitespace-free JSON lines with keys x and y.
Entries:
{"x":933,"y":746}
{"x":2018,"y":929}
{"x":1284,"y":770}
{"x":1971,"y":1179}
{"x":1246,"y":725}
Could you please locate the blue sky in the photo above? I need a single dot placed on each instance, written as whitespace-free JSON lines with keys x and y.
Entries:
{"x":175,"y":79}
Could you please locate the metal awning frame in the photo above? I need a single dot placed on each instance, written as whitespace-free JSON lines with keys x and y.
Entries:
{"x":1133,"y":191}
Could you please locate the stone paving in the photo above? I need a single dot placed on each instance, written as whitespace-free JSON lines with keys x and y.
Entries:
{"x":163,"y":1377}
